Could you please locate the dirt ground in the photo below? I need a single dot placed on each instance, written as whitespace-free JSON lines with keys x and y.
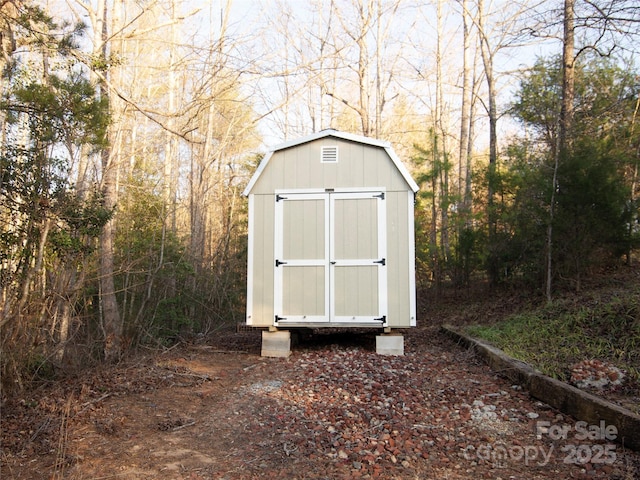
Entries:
{"x":333,"y":409}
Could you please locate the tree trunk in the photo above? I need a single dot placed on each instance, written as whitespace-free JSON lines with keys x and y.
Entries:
{"x":464,"y":190}
{"x":111,"y":323}
{"x":564,"y":128}
{"x":634,"y":181}
{"x":110,"y":316}
{"x":171,"y":147}
{"x":568,"y":77}
{"x":487,"y":60}
{"x":441,"y":135}
{"x":363,"y":83}
{"x":433,"y":234}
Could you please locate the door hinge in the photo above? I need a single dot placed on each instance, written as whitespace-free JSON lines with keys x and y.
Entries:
{"x":382,"y":319}
{"x":278,"y":263}
{"x":280,"y":197}
{"x":381,"y":262}
{"x":278,"y":318}
{"x":380,"y":196}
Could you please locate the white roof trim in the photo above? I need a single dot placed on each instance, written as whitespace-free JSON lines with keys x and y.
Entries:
{"x":333,"y":133}
{"x":402,"y":169}
{"x":257,"y":173}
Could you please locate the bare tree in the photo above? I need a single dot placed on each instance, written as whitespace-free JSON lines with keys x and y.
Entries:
{"x":488,"y":51}
{"x":440,"y":137}
{"x":493,"y":40}
{"x":465,"y":142}
{"x":111,"y":321}
{"x":340,"y":69}
{"x":565,"y":121}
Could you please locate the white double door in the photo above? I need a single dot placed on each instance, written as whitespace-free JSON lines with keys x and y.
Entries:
{"x":330,"y":251}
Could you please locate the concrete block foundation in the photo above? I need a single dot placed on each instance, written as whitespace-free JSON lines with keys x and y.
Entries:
{"x":390,"y":344}
{"x":276,"y":344}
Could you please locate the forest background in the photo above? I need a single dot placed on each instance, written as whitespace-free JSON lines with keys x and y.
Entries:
{"x":130,"y":127}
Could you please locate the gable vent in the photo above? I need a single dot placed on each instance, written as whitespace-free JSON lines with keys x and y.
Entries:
{"x":329,"y":154}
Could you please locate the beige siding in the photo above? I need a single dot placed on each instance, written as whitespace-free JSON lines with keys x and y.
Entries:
{"x":398,"y":275}
{"x":356,"y":229}
{"x":303,"y":292}
{"x":359,"y":166}
{"x":303,"y":239}
{"x":304,"y":230}
{"x":263,"y":261}
{"x":356,"y":291}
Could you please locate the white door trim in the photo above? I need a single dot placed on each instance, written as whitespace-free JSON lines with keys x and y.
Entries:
{"x":329,"y":263}
{"x":381,"y":317}
{"x":279,"y":257}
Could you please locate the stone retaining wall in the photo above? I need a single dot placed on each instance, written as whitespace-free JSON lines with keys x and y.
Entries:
{"x":566,"y":398}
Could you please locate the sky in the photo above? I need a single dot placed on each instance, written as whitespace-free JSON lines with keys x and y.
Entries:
{"x":414,"y":23}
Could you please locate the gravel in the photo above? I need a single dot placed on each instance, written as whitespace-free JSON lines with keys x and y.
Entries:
{"x":334,"y":409}
{"x":434,"y":413}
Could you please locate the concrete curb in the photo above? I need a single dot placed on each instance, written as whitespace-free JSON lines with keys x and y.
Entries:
{"x":566,"y":398}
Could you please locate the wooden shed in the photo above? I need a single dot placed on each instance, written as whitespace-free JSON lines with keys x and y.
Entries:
{"x":331,"y":237}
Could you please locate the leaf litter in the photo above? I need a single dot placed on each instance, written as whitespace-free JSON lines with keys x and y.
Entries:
{"x":333,"y":409}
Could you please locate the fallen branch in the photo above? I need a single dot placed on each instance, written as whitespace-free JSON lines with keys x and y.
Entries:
{"x":174,"y":429}
{"x":42,"y":426}
{"x":92,"y":402}
{"x":201,"y":377}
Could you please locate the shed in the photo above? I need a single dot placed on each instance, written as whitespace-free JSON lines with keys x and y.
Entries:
{"x":331,"y":238}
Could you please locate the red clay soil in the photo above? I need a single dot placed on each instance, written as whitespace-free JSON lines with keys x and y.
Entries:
{"x":333,"y":409}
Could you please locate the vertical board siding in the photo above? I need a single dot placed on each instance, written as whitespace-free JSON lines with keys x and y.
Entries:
{"x":360,"y":166}
{"x":356,"y":239}
{"x":304,"y":291}
{"x":398,"y":255}
{"x":356,"y":291}
{"x":356,"y":227}
{"x":303,"y":238}
{"x":304,"y":230}
{"x":263,"y":261}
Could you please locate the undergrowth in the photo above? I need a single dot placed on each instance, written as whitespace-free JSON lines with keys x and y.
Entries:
{"x":600,"y":325}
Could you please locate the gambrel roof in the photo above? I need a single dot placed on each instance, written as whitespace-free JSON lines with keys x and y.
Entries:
{"x":337,"y":134}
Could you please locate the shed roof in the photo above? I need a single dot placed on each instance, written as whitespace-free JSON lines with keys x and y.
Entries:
{"x":337,"y":134}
